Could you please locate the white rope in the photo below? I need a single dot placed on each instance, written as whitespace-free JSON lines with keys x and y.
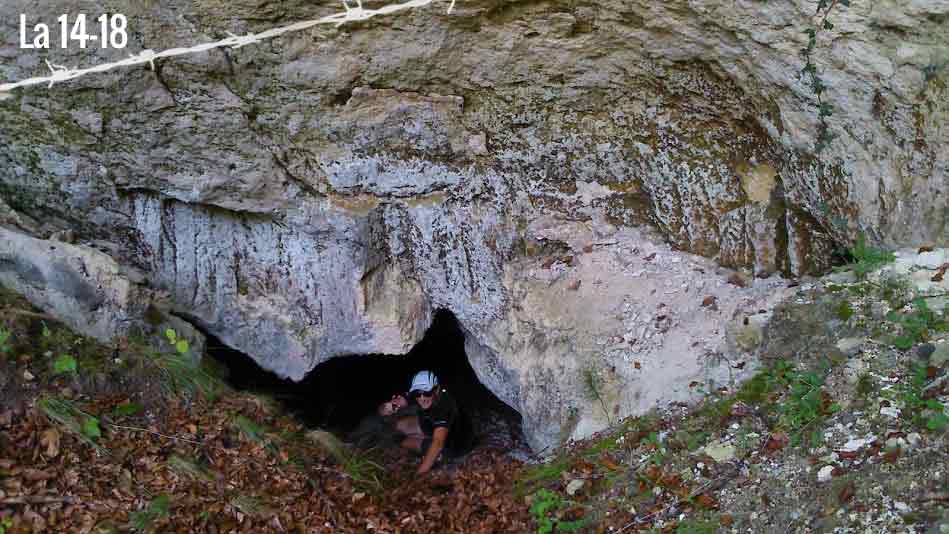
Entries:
{"x":60,"y":73}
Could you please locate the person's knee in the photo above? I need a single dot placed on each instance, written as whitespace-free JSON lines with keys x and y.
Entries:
{"x":412,"y":442}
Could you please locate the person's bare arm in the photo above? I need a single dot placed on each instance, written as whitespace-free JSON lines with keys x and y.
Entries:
{"x":438,"y":443}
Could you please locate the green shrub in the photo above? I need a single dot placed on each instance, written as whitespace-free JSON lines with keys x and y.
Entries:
{"x":805,"y":405}
{"x":5,"y":347}
{"x":64,"y":364}
{"x":546,"y":507}
{"x":896,"y":289}
{"x":866,"y":258}
{"x":844,"y":310}
{"x":914,"y":326}
{"x":925,"y":413}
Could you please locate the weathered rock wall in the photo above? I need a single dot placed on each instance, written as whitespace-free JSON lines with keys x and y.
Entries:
{"x":322,"y":193}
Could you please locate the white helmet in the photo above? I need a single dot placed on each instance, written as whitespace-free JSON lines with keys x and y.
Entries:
{"x":424,"y":381}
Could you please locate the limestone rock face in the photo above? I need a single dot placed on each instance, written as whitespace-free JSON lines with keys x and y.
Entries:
{"x":513,"y":162}
{"x":80,"y":284}
{"x":87,"y":290}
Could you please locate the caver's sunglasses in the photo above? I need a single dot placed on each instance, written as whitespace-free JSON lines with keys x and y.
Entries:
{"x":426,"y":394}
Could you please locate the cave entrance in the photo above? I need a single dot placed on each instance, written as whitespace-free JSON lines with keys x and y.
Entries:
{"x":338,"y":393}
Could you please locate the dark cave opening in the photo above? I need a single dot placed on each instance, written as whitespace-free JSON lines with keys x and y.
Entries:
{"x":338,"y":393}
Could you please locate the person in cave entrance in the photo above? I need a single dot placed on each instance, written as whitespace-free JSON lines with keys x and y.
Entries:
{"x":439,"y":426}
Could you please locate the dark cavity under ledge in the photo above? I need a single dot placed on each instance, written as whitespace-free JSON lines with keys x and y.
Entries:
{"x":336,"y":394}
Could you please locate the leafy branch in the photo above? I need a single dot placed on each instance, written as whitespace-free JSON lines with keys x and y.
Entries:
{"x":811,"y":75}
{"x":591,"y":383}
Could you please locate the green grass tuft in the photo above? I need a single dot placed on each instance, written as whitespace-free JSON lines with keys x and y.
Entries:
{"x":69,"y":416}
{"x":534,"y":475}
{"x":188,"y":468}
{"x":157,"y":510}
{"x":867,"y":258}
{"x":366,"y":474}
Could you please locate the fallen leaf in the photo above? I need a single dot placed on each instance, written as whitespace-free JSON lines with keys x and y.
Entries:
{"x":892,"y":456}
{"x":941,"y":272}
{"x":776,"y":441}
{"x":609,"y":463}
{"x":34,"y":475}
{"x":706,"y":501}
{"x":846,"y":493}
{"x":50,"y":441}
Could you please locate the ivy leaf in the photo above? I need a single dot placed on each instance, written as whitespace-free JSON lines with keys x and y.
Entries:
{"x":171,"y":335}
{"x":828,"y":25}
{"x":127,"y":408}
{"x":903,"y":342}
{"x":182,"y":346}
{"x":937,"y":422}
{"x":90,"y":428}
{"x":64,"y":364}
